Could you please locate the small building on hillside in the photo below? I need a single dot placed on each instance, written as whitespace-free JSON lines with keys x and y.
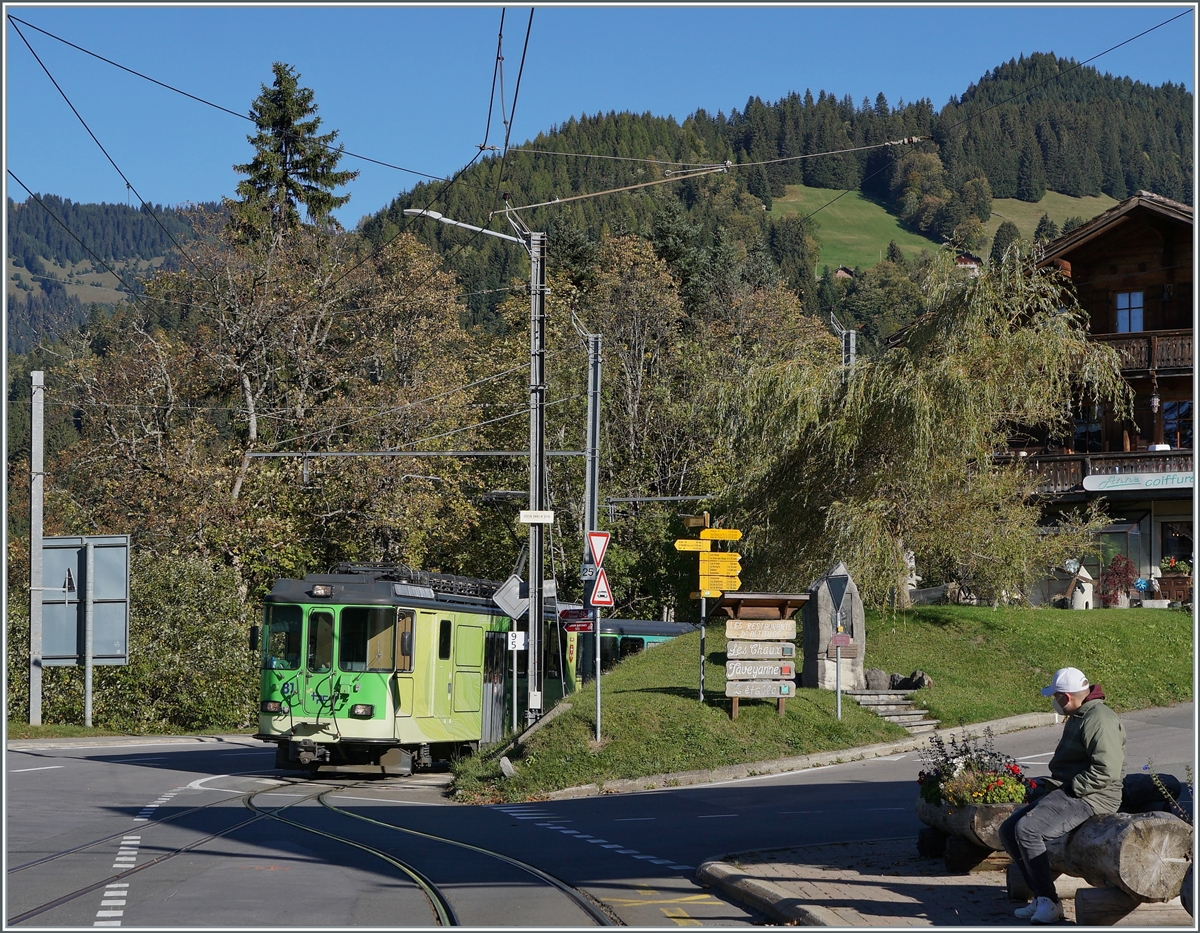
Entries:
{"x":968,"y":262}
{"x":843,"y":272}
{"x":1131,"y":267}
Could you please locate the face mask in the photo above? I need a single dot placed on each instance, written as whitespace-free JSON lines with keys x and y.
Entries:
{"x":1058,"y":707}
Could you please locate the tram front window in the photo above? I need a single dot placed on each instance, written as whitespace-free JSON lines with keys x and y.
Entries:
{"x":281,"y":647}
{"x":368,"y":639}
{"x":320,"y":641}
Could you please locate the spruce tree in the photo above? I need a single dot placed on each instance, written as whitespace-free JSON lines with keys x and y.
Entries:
{"x":1046,"y":231}
{"x":1005,"y":235}
{"x":293,"y":163}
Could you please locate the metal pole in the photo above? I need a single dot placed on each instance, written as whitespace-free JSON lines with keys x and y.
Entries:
{"x":591,"y":484}
{"x":36,"y":480}
{"x":514,"y":656}
{"x":596,"y":629}
{"x":837,"y":652}
{"x":89,"y":627}
{"x":703,"y":618}
{"x":537,"y":466}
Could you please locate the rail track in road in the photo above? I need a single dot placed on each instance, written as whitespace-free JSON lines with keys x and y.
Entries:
{"x":439,"y":903}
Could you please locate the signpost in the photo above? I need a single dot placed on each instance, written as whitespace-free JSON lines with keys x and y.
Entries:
{"x":838,"y":583}
{"x":598,"y":594}
{"x":718,"y":571}
{"x":517,"y":641}
{"x":761,"y":651}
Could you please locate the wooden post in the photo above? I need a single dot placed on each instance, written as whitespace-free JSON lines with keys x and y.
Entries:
{"x":782,"y":700}
{"x":735,"y":708}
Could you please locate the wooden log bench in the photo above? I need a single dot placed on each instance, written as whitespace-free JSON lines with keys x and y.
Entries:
{"x":1122,"y":868}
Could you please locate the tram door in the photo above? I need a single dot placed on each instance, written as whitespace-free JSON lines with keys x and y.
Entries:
{"x":443,"y":671}
{"x":318,"y":688}
{"x":495,"y":656}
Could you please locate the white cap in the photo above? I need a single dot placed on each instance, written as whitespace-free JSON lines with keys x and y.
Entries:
{"x":1066,"y":680}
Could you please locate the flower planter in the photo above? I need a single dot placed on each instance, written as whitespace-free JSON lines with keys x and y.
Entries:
{"x":978,"y":824}
{"x":1175,"y":586}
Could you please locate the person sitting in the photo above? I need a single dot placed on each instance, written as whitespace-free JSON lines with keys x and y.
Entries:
{"x":1086,"y":774}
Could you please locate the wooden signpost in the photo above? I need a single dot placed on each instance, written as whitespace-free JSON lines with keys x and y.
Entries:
{"x":718,"y":570}
{"x":760,"y":651}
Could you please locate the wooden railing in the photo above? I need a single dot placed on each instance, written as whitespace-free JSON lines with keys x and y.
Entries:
{"x":1158,"y":349}
{"x":1065,"y":472}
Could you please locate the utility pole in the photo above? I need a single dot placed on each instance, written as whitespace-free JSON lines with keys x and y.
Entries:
{"x":535,"y":245}
{"x":592,"y":484}
{"x":36,"y":480}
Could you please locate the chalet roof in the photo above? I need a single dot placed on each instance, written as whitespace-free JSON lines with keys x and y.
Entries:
{"x":1117,"y":214}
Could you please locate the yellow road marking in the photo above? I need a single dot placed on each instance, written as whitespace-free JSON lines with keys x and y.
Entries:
{"x":689,"y":899}
{"x":647,"y":891}
{"x":680,"y":917}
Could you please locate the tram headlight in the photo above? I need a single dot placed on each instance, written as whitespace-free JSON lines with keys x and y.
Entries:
{"x":271,"y":706}
{"x":322,"y":589}
{"x":363,"y":710}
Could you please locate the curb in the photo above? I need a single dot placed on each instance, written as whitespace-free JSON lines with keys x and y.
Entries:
{"x":765,"y":897}
{"x":794,"y":763}
{"x":125,"y":741}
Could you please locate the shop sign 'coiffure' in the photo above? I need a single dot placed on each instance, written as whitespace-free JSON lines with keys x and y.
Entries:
{"x":1117,"y":482}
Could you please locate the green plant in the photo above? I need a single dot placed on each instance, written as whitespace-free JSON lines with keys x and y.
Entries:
{"x":1118,"y":578}
{"x":1173,"y":565}
{"x":967,"y":771}
{"x":1185,"y":815}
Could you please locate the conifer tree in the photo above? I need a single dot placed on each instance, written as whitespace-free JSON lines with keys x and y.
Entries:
{"x":1005,"y":235}
{"x":293,"y":163}
{"x":1046,"y":231}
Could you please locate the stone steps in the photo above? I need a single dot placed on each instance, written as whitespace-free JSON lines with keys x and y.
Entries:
{"x":895,"y":706}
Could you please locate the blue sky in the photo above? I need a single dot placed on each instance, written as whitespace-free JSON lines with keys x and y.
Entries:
{"x":409,"y":85}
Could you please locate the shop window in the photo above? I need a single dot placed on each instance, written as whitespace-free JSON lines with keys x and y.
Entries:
{"x":1177,"y":424}
{"x":1129,"y":312}
{"x":1177,"y":540}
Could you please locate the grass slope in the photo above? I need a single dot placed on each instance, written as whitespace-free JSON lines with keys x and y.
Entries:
{"x":853,"y":230}
{"x":989,"y":663}
{"x":1059,"y":206}
{"x":985,"y":663}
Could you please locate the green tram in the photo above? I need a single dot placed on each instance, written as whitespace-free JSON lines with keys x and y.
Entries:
{"x":381,"y":668}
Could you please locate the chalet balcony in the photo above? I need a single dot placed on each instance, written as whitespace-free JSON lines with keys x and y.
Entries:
{"x":1160,"y":350}
{"x":1065,"y":473}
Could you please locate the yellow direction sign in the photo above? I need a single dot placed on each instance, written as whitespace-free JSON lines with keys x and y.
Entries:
{"x":706,"y":594}
{"x":718,"y":563}
{"x":719,"y":556}
{"x":691,"y":544}
{"x":726,"y":584}
{"x":720,"y":534}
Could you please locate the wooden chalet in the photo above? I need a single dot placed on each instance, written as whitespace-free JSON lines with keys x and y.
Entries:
{"x":1131,"y":267}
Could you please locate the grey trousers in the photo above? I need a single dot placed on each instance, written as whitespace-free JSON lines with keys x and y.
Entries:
{"x":1024,"y":835}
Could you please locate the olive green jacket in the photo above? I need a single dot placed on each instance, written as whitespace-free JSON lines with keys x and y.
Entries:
{"x":1089,"y":763}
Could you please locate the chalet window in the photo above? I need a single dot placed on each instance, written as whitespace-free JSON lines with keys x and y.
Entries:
{"x":1129,"y":312}
{"x":1089,"y":422}
{"x":1177,"y":424}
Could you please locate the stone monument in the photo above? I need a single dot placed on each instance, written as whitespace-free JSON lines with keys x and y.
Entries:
{"x":820,"y":618}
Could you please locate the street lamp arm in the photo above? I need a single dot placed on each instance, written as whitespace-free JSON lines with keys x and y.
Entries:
{"x":434,"y":215}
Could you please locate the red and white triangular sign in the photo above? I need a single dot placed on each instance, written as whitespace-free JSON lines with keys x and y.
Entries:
{"x":601,"y":592}
{"x":598,"y":544}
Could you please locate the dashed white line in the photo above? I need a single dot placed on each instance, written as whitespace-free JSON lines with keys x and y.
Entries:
{"x":114,"y":896}
{"x":44,"y":768}
{"x":635,"y":819}
{"x":714,"y":816}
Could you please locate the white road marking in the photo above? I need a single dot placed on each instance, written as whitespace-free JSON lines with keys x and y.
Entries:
{"x":715,"y":816}
{"x":759,"y":777}
{"x":615,"y":845}
{"x":1039,"y":755}
{"x":635,"y":819}
{"x":118,"y":761}
{"x":797,"y":812}
{"x":45,"y":768}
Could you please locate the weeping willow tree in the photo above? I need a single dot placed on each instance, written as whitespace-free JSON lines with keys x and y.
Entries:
{"x":907,"y":452}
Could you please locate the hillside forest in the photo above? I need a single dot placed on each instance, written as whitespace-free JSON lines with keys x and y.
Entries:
{"x":267,"y":332}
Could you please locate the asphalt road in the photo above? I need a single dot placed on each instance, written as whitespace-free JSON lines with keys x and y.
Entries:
{"x":183,"y":812}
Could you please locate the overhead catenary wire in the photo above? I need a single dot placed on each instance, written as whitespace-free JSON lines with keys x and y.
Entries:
{"x":128,"y":185}
{"x":209,"y":103}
